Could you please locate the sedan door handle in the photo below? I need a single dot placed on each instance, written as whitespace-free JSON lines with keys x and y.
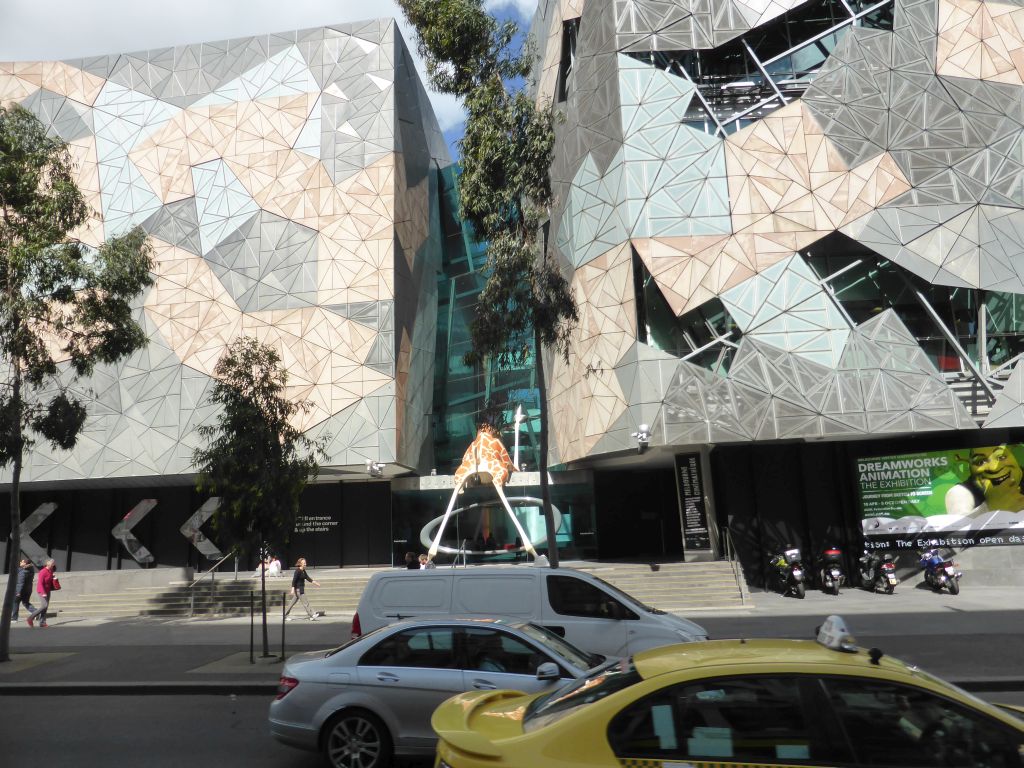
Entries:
{"x":484,"y":685}
{"x":387,"y":677}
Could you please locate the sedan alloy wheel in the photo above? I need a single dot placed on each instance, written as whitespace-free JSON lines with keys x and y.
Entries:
{"x":357,"y":739}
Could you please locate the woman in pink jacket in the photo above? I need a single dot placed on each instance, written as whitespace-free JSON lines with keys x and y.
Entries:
{"x":44,"y":586}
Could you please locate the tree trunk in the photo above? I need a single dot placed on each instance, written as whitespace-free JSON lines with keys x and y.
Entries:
{"x":15,"y":542}
{"x":545,"y":491}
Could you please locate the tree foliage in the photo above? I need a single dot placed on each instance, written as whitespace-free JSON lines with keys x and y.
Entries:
{"x":505,"y":186}
{"x":64,"y":307}
{"x":504,"y":190}
{"x":255,"y":459}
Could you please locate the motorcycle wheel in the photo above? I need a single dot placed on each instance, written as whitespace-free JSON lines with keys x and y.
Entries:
{"x":835,"y":588}
{"x":954,"y":587}
{"x":799,"y":590}
{"x":889,"y":588}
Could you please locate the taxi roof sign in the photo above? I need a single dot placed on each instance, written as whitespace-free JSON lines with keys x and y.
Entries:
{"x":834,"y":634}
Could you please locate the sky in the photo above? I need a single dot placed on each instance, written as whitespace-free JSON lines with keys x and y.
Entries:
{"x":68,"y":29}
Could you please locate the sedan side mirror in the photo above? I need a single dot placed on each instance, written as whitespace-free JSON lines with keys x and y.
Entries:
{"x":548,"y":671}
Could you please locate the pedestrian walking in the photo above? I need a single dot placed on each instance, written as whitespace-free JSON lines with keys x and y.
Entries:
{"x":23,"y":588}
{"x":45,"y":584}
{"x":299,"y":579}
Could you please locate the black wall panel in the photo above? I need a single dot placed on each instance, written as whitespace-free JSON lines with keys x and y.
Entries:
{"x":637,"y":514}
{"x":366,"y":523}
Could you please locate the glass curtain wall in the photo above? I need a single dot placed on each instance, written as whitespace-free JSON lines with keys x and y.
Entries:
{"x":749,"y":77}
{"x":464,"y":393}
{"x":869,"y":284}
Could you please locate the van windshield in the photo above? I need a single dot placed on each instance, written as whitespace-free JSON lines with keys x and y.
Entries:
{"x":601,"y":682}
{"x":558,"y":646}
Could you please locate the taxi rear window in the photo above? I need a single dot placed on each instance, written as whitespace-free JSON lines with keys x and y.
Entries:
{"x":602,"y":682}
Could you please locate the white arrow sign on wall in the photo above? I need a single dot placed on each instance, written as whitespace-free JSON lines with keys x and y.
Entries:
{"x":33,"y":551}
{"x":191,"y":529}
{"x":123,"y":531}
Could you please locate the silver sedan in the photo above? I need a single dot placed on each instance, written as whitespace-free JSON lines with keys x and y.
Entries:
{"x":371,"y":699}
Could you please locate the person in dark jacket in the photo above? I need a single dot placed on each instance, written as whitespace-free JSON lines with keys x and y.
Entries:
{"x":23,"y":588}
{"x":299,"y":579}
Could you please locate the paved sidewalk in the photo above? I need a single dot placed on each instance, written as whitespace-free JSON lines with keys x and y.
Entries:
{"x":202,"y":655}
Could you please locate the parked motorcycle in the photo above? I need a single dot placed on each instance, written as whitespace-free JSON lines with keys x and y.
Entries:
{"x":788,"y":572}
{"x":830,"y":571}
{"x":878,"y":572}
{"x":939,"y":572}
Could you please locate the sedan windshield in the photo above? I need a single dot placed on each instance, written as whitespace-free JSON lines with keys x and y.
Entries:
{"x":604,"y":681}
{"x":560,"y":647}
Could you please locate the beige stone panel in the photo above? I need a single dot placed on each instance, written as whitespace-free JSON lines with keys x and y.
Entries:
{"x":980,"y":41}
{"x":322,"y":353}
{"x":193,"y":311}
{"x":72,"y":82}
{"x":13,"y":88}
{"x":585,"y":394}
{"x":231,"y":131}
{"x":162,"y":168}
{"x":268,"y":125}
{"x":29,"y":71}
{"x":83,"y":156}
{"x":351,"y":270}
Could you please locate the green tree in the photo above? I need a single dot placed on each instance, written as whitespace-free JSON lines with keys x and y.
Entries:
{"x":60,"y":302}
{"x":256,"y":460}
{"x":504,"y":192}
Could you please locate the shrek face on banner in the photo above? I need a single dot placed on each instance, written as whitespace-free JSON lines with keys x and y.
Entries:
{"x":997,"y":474}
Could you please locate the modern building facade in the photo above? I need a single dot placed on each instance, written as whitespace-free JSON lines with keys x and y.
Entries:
{"x":793,"y":230}
{"x":794,"y":234}
{"x":290,"y":187}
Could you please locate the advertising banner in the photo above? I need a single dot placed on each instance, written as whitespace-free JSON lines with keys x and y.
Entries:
{"x":965,"y":497}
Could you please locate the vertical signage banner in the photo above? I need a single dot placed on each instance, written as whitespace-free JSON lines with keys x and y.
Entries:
{"x":691,"y":502}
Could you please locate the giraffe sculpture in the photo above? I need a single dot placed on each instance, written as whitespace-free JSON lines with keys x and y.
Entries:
{"x":487,"y":460}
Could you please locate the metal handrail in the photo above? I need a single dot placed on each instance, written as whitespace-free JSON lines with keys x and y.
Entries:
{"x":461,"y":552}
{"x":191,"y":590}
{"x":729,"y":550}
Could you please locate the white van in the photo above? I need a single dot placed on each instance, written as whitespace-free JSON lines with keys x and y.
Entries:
{"x":582,"y":608}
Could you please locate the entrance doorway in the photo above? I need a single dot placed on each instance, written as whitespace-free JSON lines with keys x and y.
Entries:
{"x":638,"y":515}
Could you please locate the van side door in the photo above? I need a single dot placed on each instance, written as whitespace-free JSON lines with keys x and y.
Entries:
{"x":586,"y":615}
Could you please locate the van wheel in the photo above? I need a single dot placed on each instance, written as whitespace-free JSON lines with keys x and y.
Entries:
{"x":356,"y":738}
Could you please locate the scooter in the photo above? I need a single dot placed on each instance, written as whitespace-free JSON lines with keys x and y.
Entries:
{"x":939,"y":572}
{"x":788,"y":572}
{"x":878,"y":572}
{"x":830,"y":574}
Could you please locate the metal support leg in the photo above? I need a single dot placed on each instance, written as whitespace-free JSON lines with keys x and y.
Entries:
{"x":515,"y":521}
{"x":444,"y":521}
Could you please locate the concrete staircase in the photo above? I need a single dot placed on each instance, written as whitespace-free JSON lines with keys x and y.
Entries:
{"x":971,"y":394}
{"x":675,"y":587}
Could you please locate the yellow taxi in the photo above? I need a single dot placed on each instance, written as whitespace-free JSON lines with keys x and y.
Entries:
{"x":726,"y":703}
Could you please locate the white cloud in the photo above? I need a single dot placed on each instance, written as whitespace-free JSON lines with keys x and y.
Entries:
{"x":68,"y":29}
{"x":523,"y":8}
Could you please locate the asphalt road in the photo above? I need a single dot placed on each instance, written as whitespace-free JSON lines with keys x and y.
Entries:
{"x":151,"y":731}
{"x":154,"y":731}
